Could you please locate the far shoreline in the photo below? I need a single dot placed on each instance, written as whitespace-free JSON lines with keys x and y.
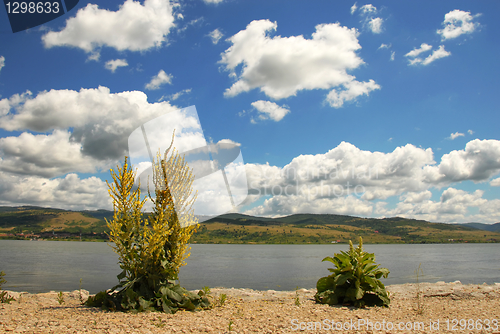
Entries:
{"x":263,"y":243}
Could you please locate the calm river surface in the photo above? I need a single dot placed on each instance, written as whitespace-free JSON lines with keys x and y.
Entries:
{"x":41,"y":266}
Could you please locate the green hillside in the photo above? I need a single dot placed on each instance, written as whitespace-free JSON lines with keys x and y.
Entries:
{"x":487,"y":227}
{"x":327,"y":228}
{"x":47,"y":223}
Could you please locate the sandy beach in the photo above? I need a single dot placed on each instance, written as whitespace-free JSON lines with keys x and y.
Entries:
{"x":444,"y":308}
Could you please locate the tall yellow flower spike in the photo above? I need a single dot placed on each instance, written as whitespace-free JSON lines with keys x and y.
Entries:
{"x":157,"y":246}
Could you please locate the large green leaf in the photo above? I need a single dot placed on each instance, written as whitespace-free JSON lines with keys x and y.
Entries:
{"x":342,"y":278}
{"x":325,"y":283}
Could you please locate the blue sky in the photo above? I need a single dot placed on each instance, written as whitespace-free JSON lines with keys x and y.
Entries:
{"x":373,"y":109}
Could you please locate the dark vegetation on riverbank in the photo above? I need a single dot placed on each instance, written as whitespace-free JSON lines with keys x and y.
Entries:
{"x":55,"y":224}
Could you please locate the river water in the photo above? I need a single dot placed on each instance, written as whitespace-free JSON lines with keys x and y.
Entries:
{"x":41,"y":266}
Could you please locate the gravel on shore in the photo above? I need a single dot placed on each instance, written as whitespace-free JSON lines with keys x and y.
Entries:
{"x":442,"y":308}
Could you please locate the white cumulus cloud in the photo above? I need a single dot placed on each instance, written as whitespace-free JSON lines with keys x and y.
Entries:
{"x":101,"y":123}
{"x":175,"y":96}
{"x":416,"y":197}
{"x":69,"y":192}
{"x":134,"y":26}
{"x":456,"y":135}
{"x":354,"y":7}
{"x":45,"y":155}
{"x":436,"y":54}
{"x":215,"y":35}
{"x":158,"y":80}
{"x":112,"y":65}
{"x":452,"y":207}
{"x":415,"y":52}
{"x":282,"y":66}
{"x":270,"y":110}
{"x":457,"y":23}
{"x":2,"y":62}
{"x":495,"y":182}
{"x":368,"y":9}
{"x":351,"y":91}
{"x":479,"y":161}
{"x":347,"y":180}
{"x":375,"y":25}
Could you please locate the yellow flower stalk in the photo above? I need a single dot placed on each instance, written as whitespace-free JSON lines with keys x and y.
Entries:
{"x":152,"y":247}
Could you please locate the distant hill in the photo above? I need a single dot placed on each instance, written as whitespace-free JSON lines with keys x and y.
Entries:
{"x":37,"y":222}
{"x":99,"y":214}
{"x":486,"y":227}
{"x":328,"y":228}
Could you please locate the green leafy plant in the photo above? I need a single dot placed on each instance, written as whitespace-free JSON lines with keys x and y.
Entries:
{"x":222,"y":299}
{"x":297,"y":299}
{"x":60,"y":298}
{"x":206,"y":290}
{"x":354,"y":280}
{"x":152,"y":250}
{"x":4,"y":296}
{"x":230,"y":327}
{"x":158,"y":324}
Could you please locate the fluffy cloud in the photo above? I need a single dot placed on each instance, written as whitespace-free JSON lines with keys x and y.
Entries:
{"x":101,"y":121}
{"x":368,"y":9}
{"x":347,"y":180}
{"x":286,"y":205}
{"x":132,"y":27}
{"x":213,"y":1}
{"x":69,"y":192}
{"x":270,"y":110}
{"x":415,"y":52}
{"x":455,"y":135}
{"x":479,"y":161}
{"x":495,"y":182}
{"x":452,"y":207}
{"x":175,"y":96}
{"x":2,"y":62}
{"x":351,"y":91}
{"x":436,"y":54}
{"x":367,"y":13}
{"x":158,"y":80}
{"x":416,"y":197}
{"x":282,"y":66}
{"x":215,"y":35}
{"x":353,"y":8}
{"x":345,"y":170}
{"x":44,"y":155}
{"x":457,"y":23}
{"x":84,"y":131}
{"x":112,"y":65}
{"x":375,"y":25}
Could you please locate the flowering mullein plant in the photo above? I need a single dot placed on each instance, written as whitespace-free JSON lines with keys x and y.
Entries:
{"x":354,"y":280}
{"x":151,"y":250}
